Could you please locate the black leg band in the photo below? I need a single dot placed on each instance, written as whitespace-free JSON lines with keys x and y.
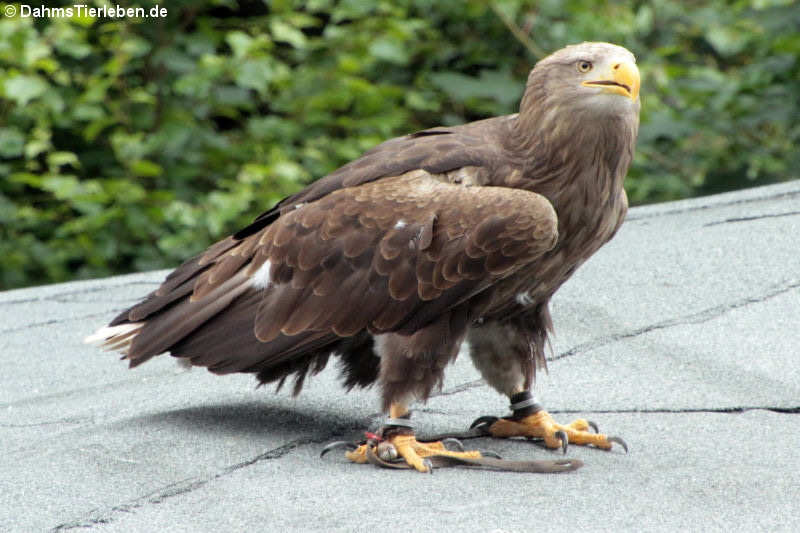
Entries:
{"x":396,"y":426}
{"x":524,"y":404}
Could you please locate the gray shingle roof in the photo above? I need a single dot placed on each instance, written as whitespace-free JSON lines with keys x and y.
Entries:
{"x":682,"y":335}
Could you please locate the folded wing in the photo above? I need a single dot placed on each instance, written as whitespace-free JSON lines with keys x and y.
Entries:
{"x":388,"y":255}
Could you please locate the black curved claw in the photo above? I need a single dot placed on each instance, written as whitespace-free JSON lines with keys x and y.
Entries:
{"x":593,"y":426}
{"x":619,"y":441}
{"x":561,"y":434}
{"x":484,"y":420}
{"x":488,"y":453}
{"x":349,"y":446}
{"x":429,"y":464}
{"x":457,"y":443}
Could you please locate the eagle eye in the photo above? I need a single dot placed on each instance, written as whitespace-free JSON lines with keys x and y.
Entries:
{"x":584,"y":66}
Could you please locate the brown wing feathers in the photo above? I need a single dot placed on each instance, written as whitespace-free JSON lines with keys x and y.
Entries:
{"x":437,"y":150}
{"x":157,"y":336}
{"x":390,"y":255}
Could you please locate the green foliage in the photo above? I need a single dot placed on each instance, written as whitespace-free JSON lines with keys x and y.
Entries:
{"x":132,"y":143}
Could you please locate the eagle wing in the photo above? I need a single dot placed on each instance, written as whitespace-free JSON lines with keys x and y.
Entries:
{"x":435,"y":150}
{"x":389,"y":255}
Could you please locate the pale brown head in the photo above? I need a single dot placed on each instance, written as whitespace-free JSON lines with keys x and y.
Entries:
{"x":584,"y":82}
{"x":590,"y":74}
{"x":581,"y":105}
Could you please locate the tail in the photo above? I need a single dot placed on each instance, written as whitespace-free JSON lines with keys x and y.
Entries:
{"x":171,"y":312}
{"x":115,"y":338}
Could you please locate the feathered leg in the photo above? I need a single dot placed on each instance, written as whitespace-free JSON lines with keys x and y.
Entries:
{"x":411,"y":366}
{"x":506,"y":355}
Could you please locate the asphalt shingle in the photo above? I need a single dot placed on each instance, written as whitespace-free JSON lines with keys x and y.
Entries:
{"x":681,"y":335}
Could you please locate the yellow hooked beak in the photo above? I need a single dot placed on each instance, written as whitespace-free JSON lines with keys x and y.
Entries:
{"x":620,"y":78}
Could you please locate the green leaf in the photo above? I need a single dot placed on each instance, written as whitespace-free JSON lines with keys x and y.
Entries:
{"x":726,"y":40}
{"x":145,"y":168}
{"x":390,"y":50}
{"x":59,"y":159}
{"x":255,"y":74}
{"x":496,"y":85}
{"x":62,"y":187}
{"x":239,"y":42}
{"x":12,"y":142}
{"x":285,"y":33}
{"x":135,"y":46}
{"x":23,"y":88}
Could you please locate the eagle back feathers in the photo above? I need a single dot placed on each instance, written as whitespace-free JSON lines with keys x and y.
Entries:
{"x":411,"y":244}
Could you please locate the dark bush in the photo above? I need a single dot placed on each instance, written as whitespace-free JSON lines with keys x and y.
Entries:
{"x":131,"y":143}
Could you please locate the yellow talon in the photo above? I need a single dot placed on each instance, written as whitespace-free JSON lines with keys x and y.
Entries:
{"x":359,"y":455}
{"x":413,"y":452}
{"x":542,"y":425}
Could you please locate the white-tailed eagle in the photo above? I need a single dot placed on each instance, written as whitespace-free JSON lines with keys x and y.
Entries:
{"x":427,"y":240}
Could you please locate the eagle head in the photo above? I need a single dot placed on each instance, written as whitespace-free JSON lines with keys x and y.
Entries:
{"x":599,"y":78}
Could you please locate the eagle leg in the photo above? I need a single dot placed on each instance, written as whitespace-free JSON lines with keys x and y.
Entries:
{"x":530,"y":420}
{"x":396,"y":446}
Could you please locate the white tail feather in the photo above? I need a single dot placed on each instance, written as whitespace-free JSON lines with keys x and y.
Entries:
{"x":116,"y":338}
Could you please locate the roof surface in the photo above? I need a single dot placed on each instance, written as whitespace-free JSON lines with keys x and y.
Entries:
{"x":682,"y":335}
